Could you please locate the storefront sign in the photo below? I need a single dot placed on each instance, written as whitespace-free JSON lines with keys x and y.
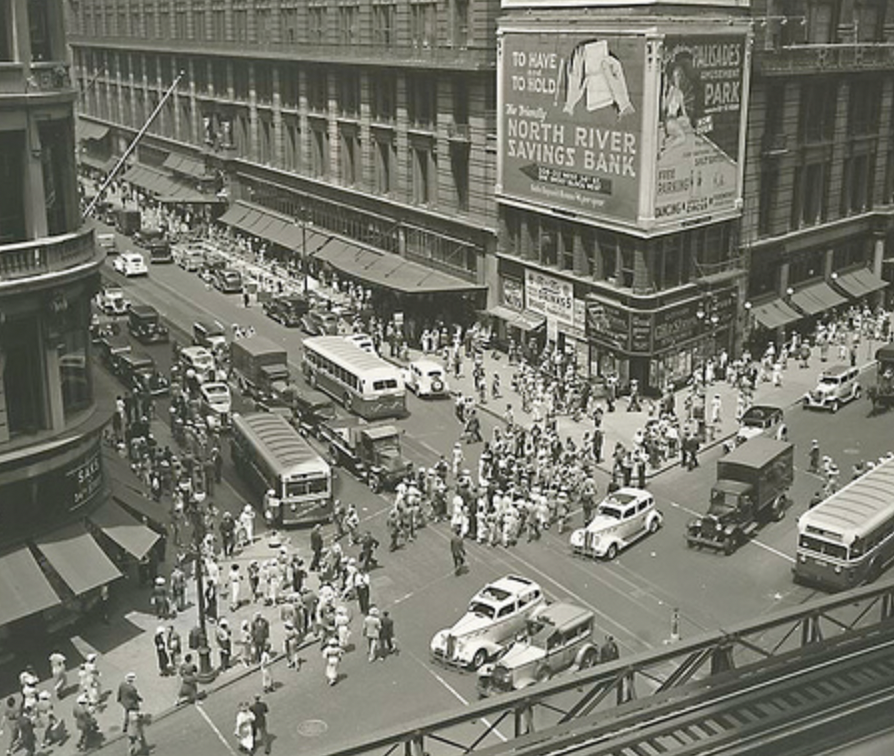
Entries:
{"x":608,"y":324}
{"x":640,"y":332}
{"x":513,"y":293}
{"x":570,"y":120}
{"x":701,"y":118}
{"x":85,"y":480}
{"x":551,"y":297}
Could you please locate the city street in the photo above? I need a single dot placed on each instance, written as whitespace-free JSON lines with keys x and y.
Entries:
{"x":633,"y":597}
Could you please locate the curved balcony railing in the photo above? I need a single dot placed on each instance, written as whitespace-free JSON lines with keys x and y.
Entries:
{"x":48,"y":255}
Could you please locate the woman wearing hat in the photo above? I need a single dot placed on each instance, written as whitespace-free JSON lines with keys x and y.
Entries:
{"x":161,"y":652}
{"x":244,"y":731}
{"x":332,"y":654}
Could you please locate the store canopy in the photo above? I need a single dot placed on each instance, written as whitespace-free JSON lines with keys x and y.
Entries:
{"x":77,"y":558}
{"x":859,"y":283}
{"x":132,"y":536}
{"x":138,"y":505}
{"x":817,"y":298}
{"x":275,"y":228}
{"x":525,"y":320}
{"x":85,"y":130}
{"x":388,"y":270}
{"x":24,"y":589}
{"x":165,"y":187}
{"x":186,"y":166}
{"x":775,"y":314}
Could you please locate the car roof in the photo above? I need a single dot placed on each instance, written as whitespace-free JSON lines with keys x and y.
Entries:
{"x":427,"y":365}
{"x":563,"y":613}
{"x":627,"y":493}
{"x":196,"y":351}
{"x":836,"y":370}
{"x":513,"y":584}
{"x":762,"y":410}
{"x":143,"y":309}
{"x":214,"y":386}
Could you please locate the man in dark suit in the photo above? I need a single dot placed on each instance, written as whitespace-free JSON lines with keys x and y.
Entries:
{"x":128,"y":696}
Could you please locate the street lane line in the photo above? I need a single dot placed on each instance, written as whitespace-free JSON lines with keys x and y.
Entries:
{"x":778,"y":553}
{"x":214,"y":729}
{"x":687,"y":510}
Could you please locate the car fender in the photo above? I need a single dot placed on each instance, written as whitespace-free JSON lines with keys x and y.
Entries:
{"x":606,"y":541}
{"x":581,"y":652}
{"x":652,"y":517}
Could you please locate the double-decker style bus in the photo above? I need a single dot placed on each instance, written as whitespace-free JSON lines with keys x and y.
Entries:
{"x":271,"y":455}
{"x":848,"y":539}
{"x":363,"y":382}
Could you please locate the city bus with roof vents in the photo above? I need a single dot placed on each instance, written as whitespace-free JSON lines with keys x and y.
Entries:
{"x":848,"y":539}
{"x":364,"y":383}
{"x":270,"y":454}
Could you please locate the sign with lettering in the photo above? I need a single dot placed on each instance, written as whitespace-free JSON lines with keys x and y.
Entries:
{"x":608,"y":324}
{"x":513,"y":293}
{"x":701,"y":116}
{"x":549,"y":296}
{"x":570,"y":120}
{"x":85,"y":479}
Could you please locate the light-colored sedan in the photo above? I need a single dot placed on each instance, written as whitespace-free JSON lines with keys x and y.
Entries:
{"x":217,"y":404}
{"x":623,"y":517}
{"x":426,"y":378}
{"x":130,"y":264}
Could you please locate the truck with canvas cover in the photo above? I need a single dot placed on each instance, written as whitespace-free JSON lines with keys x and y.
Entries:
{"x":260,"y":366}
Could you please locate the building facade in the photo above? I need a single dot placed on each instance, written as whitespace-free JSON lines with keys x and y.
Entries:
{"x":369,"y":124}
{"x":51,"y":471}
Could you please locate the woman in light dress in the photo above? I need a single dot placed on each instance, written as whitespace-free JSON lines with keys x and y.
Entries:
{"x":244,"y":732}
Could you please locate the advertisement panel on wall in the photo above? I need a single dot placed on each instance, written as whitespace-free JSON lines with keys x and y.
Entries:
{"x":549,"y":296}
{"x":700,"y":115}
{"x":571,"y":120}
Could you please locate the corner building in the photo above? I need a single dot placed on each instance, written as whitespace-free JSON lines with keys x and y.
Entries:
{"x":620,"y":173}
{"x":361,"y":134}
{"x":51,"y":471}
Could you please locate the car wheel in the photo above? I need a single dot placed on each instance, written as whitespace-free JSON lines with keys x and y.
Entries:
{"x":375,"y":483}
{"x":589,"y":659}
{"x":857,"y":392}
{"x":479,"y":659}
{"x":834,"y":406}
{"x":654,"y":525}
{"x":544,"y":674}
{"x":612,"y":552}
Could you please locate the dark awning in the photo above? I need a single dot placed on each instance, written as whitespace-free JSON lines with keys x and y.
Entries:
{"x":817,"y":298}
{"x":859,"y":283}
{"x":165,"y":187}
{"x":144,"y":509}
{"x":132,"y":536}
{"x":186,"y":165}
{"x":775,"y":314}
{"x":388,"y":270}
{"x":525,"y":320}
{"x":85,"y":130}
{"x":77,"y":558}
{"x":24,"y":589}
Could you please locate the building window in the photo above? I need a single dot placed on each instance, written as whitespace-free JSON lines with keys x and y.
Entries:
{"x":316,"y":21}
{"x":349,"y":139}
{"x":74,"y":367}
{"x":869,"y":18}
{"x":264,"y":83}
{"x":240,"y":82}
{"x":288,"y":22}
{"x":264,"y":26}
{"x":423,"y":22}
{"x":292,"y":144}
{"x":806,"y":266}
{"x":763,"y":273}
{"x":319,"y":149}
{"x":7,"y":49}
{"x":863,"y":107}
{"x":810,"y":193}
{"x":12,"y":189}
{"x":57,"y":161}
{"x":23,"y":377}
{"x":219,"y":24}
{"x":289,"y":87}
{"x":385,"y":157}
{"x":198,"y":24}
{"x":348,"y":15}
{"x":859,"y":176}
{"x":219,"y":79}
{"x":850,"y":254}
{"x":384,"y":13}
{"x":422,"y":98}
{"x":422,"y":170}
{"x":240,"y":24}
{"x":318,"y":90}
{"x":459,"y":167}
{"x":164,"y":19}
{"x":768,"y":198}
{"x":822,"y":21}
{"x":460,"y":24}
{"x":40,"y":20}
{"x":348,"y":87}
{"x":818,"y":111}
{"x":265,"y":140}
{"x":383,"y":96}
{"x":181,"y":24}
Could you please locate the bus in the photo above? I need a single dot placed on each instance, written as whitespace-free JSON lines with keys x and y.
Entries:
{"x":271,"y":455}
{"x":848,"y":539}
{"x":364,"y":383}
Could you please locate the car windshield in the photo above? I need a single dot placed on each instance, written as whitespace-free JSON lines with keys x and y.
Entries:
{"x":722,"y":502}
{"x":829,"y":380}
{"x":497,"y":594}
{"x":217,"y":393}
{"x":434,"y":373}
{"x":609,"y":511}
{"x":482,"y":610}
{"x":388,"y":383}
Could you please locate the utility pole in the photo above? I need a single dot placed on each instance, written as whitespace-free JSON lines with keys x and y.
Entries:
{"x":133,"y":145}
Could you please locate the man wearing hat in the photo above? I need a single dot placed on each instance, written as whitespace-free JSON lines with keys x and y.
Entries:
{"x":128,"y":696}
{"x":159,"y":598}
{"x":85,"y":721}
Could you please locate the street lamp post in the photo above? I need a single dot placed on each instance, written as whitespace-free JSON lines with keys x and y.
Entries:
{"x":206,"y":673}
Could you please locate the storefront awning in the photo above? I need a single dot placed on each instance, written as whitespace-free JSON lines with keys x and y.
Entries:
{"x":388,"y":270}
{"x":817,"y":298}
{"x":138,"y":505}
{"x":24,"y":589}
{"x":280,"y":230}
{"x":87,"y":130}
{"x":77,"y":558}
{"x":186,"y":166}
{"x":165,"y":187}
{"x":525,"y":320}
{"x":859,"y":283}
{"x":775,"y":314}
{"x":132,"y":536}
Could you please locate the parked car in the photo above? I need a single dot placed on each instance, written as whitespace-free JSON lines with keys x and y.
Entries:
{"x":320,"y":323}
{"x":111,"y":301}
{"x":837,"y":385}
{"x":190,"y":258}
{"x":309,"y":409}
{"x":111,"y":345}
{"x":130,"y":264}
{"x":199,"y":360}
{"x":757,"y":420}
{"x":426,"y":378}
{"x":622,"y":518}
{"x":556,"y":637}
{"x":108,"y":242}
{"x":212,"y":262}
{"x":217,"y":404}
{"x":495,"y":614}
{"x":138,"y":371}
{"x":210,"y":334}
{"x":227,"y":280}
{"x":144,"y":324}
{"x":287,"y":309}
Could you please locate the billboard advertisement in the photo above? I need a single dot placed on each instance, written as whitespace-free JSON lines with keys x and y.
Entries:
{"x":571,"y":120}
{"x":700,"y":115}
{"x":551,"y":297}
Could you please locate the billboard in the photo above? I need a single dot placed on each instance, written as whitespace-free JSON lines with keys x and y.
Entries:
{"x":571,"y":119}
{"x":700,"y":116}
{"x":549,"y":296}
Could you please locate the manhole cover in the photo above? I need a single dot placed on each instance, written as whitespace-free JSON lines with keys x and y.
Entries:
{"x":312,"y":728}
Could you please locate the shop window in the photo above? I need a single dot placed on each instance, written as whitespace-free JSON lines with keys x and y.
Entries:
{"x":386,"y":156}
{"x":12,"y":188}
{"x":806,"y":266}
{"x":23,"y":379}
{"x":384,"y":12}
